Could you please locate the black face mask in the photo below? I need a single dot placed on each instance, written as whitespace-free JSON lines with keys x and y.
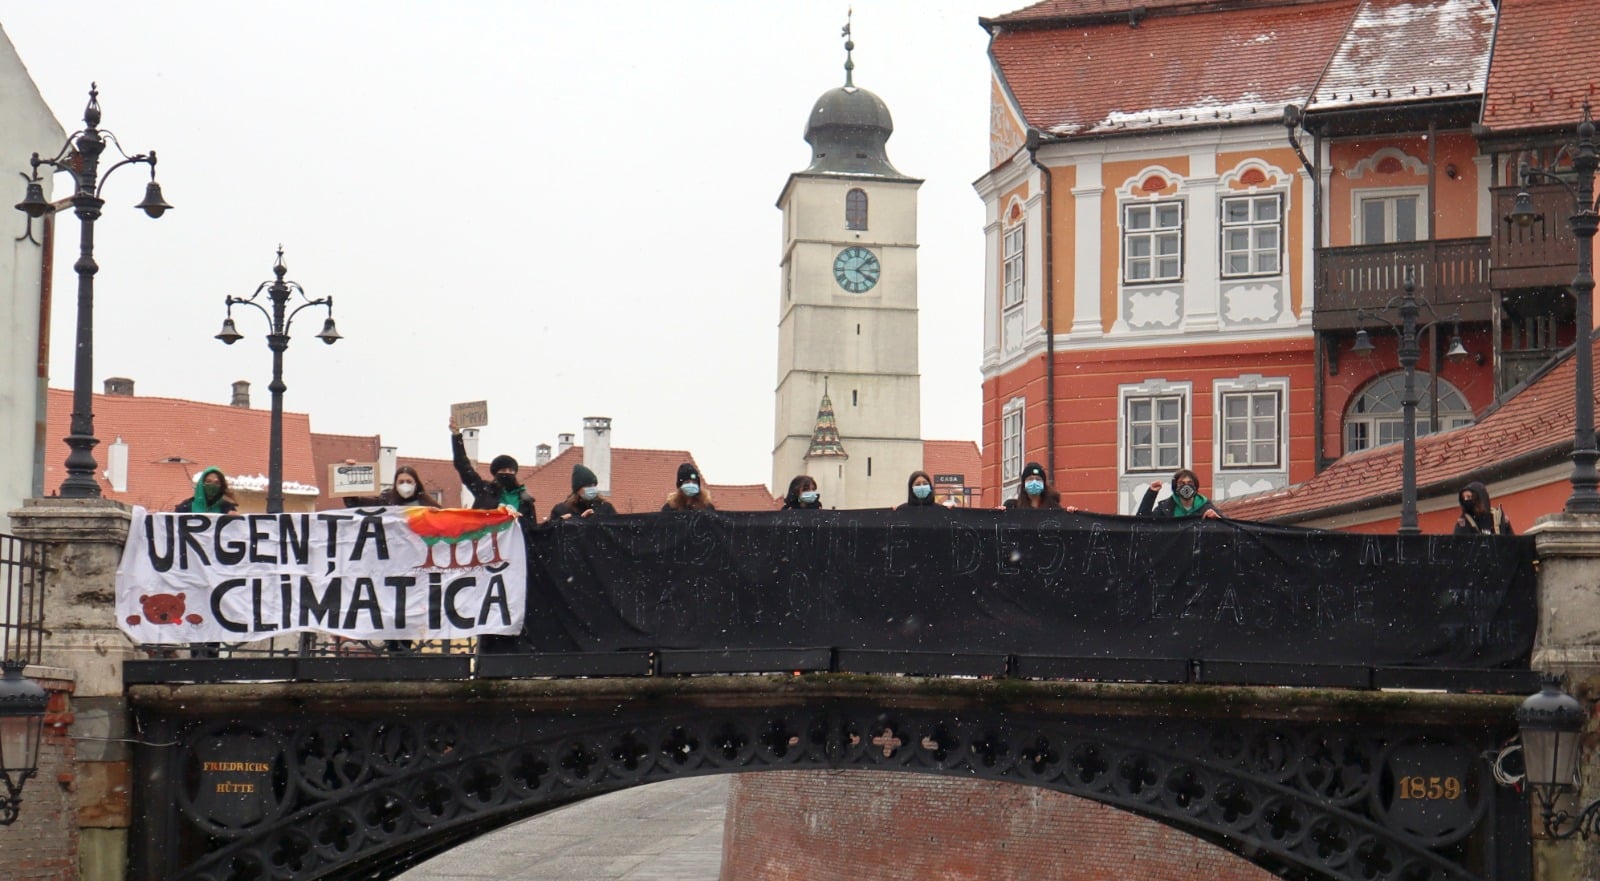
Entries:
{"x":213,"y":492}
{"x":506,"y":481}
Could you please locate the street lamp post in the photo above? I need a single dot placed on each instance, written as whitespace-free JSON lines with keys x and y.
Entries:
{"x":1409,"y":354}
{"x":22,"y":707}
{"x":279,"y":319}
{"x":1551,"y":723}
{"x":80,"y":157}
{"x":1585,"y":499}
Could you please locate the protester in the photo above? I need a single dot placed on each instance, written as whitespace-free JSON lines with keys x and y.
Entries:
{"x":1478,"y":516}
{"x":1035,"y":491}
{"x":406,"y":491}
{"x":211,"y":495}
{"x":919,"y":494}
{"x":503,"y":490}
{"x":802,"y":494}
{"x":1185,"y":501}
{"x":585,"y":500}
{"x":690,"y":495}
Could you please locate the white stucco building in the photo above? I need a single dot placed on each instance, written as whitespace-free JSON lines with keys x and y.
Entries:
{"x":26,"y":126}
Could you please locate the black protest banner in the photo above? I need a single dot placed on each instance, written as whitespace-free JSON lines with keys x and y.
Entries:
{"x":1050,"y":583}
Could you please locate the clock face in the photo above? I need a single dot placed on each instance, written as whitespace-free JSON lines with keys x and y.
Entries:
{"x":856,"y":270}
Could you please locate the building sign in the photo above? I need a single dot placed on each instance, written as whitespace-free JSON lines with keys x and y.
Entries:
{"x":353,"y":479}
{"x":378,"y":573}
{"x":472,"y":414}
{"x":236,"y":780}
{"x":1435,"y":790}
{"x":951,"y":479}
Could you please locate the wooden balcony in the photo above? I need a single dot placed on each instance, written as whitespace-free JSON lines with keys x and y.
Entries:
{"x":1542,"y":254}
{"x":1451,"y":274}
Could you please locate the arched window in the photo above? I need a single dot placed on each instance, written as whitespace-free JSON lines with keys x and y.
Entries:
{"x":1374,"y":417}
{"x":855,"y":209}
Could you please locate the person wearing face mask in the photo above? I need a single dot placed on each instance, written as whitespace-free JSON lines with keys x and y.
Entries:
{"x":919,"y":494}
{"x":1035,"y":492}
{"x":211,"y":495}
{"x":504,"y":489}
{"x":406,"y":491}
{"x":690,"y":495}
{"x":802,"y":495}
{"x":1478,"y":516}
{"x":585,"y":500}
{"x":1185,"y":501}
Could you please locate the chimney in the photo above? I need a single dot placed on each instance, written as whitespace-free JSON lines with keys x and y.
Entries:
{"x":597,"y":449}
{"x":387,"y":462}
{"x":563,"y":442}
{"x":241,"y":394}
{"x":469,"y":441}
{"x":541,"y":455}
{"x":119,"y":385}
{"x":117,"y":463}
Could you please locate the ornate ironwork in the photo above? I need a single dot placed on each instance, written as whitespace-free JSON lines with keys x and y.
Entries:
{"x":347,"y":797}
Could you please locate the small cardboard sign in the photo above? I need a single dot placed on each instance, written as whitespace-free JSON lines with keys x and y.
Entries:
{"x":472,"y":414}
{"x":359,"y":479}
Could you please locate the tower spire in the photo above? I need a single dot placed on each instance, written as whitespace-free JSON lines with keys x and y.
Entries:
{"x":825,"y":441}
{"x":849,"y":46}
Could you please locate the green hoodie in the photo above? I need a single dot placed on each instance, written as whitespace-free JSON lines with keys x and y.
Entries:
{"x":201,"y":504}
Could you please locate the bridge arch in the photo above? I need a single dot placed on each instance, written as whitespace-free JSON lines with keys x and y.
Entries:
{"x":361,"y":781}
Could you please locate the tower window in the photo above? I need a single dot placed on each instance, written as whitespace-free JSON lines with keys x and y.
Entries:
{"x":852,"y":397}
{"x":869,"y":466}
{"x":855,"y":209}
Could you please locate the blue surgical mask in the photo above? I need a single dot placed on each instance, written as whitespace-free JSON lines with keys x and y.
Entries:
{"x":1034,"y":487}
{"x":809,"y":497}
{"x":690,"y":489}
{"x":590,"y":493}
{"x":922,"y":490}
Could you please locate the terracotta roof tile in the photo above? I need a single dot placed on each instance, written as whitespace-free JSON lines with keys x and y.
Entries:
{"x":1059,"y":9}
{"x":1544,"y":64}
{"x":1172,"y":71}
{"x":170,"y":441}
{"x":1535,"y":422}
{"x":1379,"y":62}
{"x":640,"y":481}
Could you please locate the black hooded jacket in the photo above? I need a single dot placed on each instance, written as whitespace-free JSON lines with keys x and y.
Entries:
{"x":486,"y":494}
{"x":1481,"y":517}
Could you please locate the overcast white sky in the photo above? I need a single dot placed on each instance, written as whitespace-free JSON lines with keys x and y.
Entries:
{"x":566,"y":209}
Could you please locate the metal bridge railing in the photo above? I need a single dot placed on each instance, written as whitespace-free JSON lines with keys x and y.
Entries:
{"x":22,"y":570}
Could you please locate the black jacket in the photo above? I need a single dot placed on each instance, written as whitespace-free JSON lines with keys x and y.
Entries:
{"x":486,"y":493}
{"x":568,"y":507}
{"x":187,"y":507}
{"x":1168,"y":507}
{"x":1490,"y":521}
{"x":390,"y":499}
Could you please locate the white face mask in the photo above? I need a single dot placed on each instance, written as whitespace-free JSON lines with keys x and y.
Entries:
{"x":405,"y":489}
{"x":590,"y":493}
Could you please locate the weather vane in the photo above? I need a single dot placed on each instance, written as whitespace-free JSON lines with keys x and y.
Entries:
{"x":849,"y":46}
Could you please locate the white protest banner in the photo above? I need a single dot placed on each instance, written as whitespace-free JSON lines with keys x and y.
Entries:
{"x":378,"y":573}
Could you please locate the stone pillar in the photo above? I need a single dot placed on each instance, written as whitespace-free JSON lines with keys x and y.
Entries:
{"x":1567,"y":641}
{"x":83,"y":541}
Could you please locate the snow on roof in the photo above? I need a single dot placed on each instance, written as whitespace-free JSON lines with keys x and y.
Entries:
{"x":1401,"y":51}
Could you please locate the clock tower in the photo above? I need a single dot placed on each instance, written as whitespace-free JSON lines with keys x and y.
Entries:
{"x":847,"y":310}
